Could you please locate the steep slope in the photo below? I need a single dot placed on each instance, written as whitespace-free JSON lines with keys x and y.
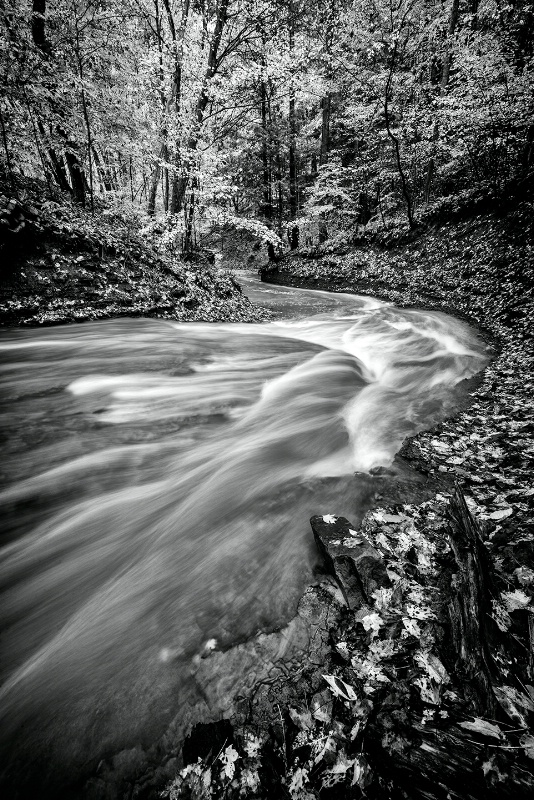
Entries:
{"x":61,"y":264}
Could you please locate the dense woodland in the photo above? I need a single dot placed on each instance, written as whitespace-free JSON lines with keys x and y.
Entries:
{"x":298,"y":121}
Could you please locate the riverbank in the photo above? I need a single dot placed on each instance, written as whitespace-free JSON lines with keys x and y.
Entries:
{"x":62,"y":264}
{"x":482,"y":271}
{"x":431,"y":678}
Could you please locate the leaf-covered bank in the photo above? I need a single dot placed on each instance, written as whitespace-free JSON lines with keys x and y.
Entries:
{"x":428,"y":688}
{"x":480,"y":268}
{"x":62,"y":264}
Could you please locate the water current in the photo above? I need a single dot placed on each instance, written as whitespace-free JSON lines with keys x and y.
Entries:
{"x":158,"y":480}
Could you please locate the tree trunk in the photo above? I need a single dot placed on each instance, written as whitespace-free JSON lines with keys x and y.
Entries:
{"x":396,"y":144}
{"x":154,"y":183}
{"x":89,"y":147}
{"x":325,"y":129}
{"x":202,"y":102}
{"x":470,"y":610}
{"x":56,"y":163}
{"x":293,"y":233}
{"x":279,"y":192}
{"x":178,"y":181}
{"x":77,"y":177}
{"x":265,"y":156}
{"x":38,"y":23}
{"x":178,"y":189}
{"x":445,"y":73}
{"x":103,"y":172}
{"x":8,"y":157}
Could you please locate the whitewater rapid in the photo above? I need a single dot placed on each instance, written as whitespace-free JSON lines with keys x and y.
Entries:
{"x":158,"y":479}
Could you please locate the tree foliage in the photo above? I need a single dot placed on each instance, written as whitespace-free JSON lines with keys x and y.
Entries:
{"x":333,"y":115}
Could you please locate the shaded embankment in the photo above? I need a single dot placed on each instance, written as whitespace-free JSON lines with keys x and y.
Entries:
{"x":60,"y":264}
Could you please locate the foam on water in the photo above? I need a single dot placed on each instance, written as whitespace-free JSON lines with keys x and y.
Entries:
{"x":159,"y":478}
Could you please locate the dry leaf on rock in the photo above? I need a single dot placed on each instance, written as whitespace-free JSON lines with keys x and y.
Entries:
{"x":483,"y":727}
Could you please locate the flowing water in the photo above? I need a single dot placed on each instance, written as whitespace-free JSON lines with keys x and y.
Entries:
{"x":158,"y":479}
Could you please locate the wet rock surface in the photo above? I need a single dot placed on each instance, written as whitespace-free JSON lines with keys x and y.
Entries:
{"x":356,"y":565}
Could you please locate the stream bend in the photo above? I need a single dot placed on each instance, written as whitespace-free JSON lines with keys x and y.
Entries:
{"x":158,"y":479}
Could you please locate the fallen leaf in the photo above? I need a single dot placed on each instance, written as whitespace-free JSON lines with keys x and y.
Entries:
{"x":515,"y":601}
{"x":228,"y":759}
{"x":340,"y":688}
{"x":483,"y":727}
{"x":372,"y":622}
{"x":501,"y":513}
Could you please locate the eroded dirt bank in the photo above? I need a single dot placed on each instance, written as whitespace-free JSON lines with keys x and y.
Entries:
{"x":61,"y":264}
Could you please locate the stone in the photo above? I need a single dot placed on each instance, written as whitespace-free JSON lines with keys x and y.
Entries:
{"x":356,"y":565}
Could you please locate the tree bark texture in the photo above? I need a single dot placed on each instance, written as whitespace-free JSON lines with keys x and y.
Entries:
{"x":202,"y":102}
{"x":77,"y":187}
{"x":445,"y":74}
{"x":326,"y":104}
{"x":293,"y":233}
{"x":470,"y":609}
{"x":265,"y":156}
{"x":395,"y":140}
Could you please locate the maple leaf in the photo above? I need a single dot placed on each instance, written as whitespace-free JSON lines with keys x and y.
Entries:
{"x":372,"y":622}
{"x":228,"y":758}
{"x":515,"y":601}
{"x":329,"y":518}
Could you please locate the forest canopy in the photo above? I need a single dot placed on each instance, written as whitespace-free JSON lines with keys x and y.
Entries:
{"x":299,"y":121}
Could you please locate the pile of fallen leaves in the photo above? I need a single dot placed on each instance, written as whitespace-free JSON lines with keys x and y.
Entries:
{"x":489,"y":449}
{"x":391,"y":674}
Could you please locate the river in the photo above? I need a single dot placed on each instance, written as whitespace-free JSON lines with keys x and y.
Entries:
{"x":157,"y":482}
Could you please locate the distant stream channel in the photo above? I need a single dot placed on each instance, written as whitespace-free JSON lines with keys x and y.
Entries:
{"x":157,"y":484}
